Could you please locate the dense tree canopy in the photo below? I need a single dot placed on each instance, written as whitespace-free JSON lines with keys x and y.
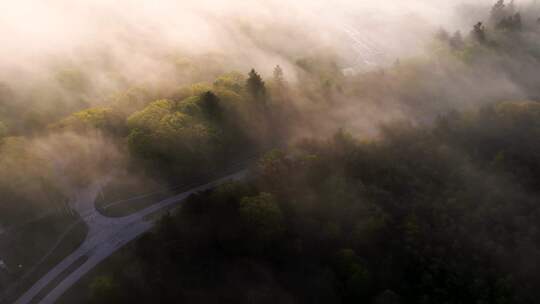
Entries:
{"x":208,"y":128}
{"x":27,"y":182}
{"x":430,"y":197}
{"x":439,"y":215}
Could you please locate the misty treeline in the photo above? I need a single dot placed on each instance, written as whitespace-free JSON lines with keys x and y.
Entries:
{"x":428,"y":195}
{"x":187,"y":132}
{"x":447,"y":214}
{"x":81,"y":121}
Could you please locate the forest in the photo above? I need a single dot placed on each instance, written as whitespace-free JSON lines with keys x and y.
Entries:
{"x":416,"y":181}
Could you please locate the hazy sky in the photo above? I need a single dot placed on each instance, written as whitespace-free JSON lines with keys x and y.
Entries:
{"x":33,"y":31}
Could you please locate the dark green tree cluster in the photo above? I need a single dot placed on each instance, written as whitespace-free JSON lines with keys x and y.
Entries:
{"x":511,"y":23}
{"x":504,"y":16}
{"x":446,"y":214}
{"x":499,"y":32}
{"x":256,"y":87}
{"x":498,"y":12}
{"x":479,"y":33}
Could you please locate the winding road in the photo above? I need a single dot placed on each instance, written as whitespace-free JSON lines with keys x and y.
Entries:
{"x":105,"y":236}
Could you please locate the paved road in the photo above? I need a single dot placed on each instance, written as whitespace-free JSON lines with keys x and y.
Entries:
{"x":105,"y":236}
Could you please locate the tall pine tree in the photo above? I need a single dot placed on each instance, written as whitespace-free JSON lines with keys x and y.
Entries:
{"x":256,"y":87}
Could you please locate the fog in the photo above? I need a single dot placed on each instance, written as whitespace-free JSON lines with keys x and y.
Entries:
{"x":60,"y":57}
{"x":137,"y":37}
{"x":392,"y":112}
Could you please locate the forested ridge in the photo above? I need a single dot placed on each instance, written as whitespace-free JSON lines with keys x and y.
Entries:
{"x":440,"y":208}
{"x":442,"y":215}
{"x":412,"y":182}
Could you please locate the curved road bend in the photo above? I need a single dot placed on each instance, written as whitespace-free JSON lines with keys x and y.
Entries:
{"x":105,"y":236}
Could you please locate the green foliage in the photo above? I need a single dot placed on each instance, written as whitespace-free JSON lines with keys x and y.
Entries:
{"x":498,"y":11}
{"x":233,"y":81}
{"x":102,"y":289}
{"x":73,"y":80}
{"x":101,"y":118}
{"x":255,"y":87}
{"x":420,"y":214}
{"x":190,"y":91}
{"x":166,"y":133}
{"x":279,"y":78}
{"x":150,"y":117}
{"x":204,"y":126}
{"x":387,"y":297}
{"x":511,"y":23}
{"x":131,"y":100}
{"x":355,"y":278}
{"x":27,"y":182}
{"x":211,"y":107}
{"x":479,"y":33}
{"x":274,"y":168}
{"x":262,"y":215}
{"x":417,"y":216}
{"x":190,"y":106}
